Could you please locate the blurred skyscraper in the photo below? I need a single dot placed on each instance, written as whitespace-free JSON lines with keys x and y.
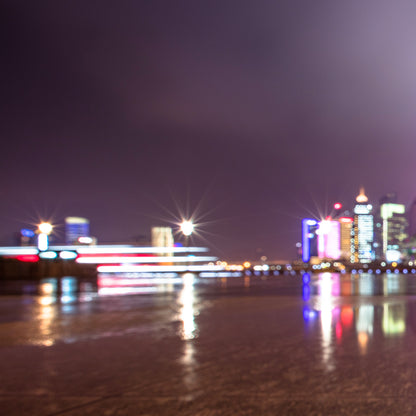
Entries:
{"x":76,"y":228}
{"x":395,"y":230}
{"x":362,"y":235}
{"x":329,"y":239}
{"x":412,"y":219}
{"x":345,"y":236}
{"x":309,"y":239}
{"x":162,"y":237}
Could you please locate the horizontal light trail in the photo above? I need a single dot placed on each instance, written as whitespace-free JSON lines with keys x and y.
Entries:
{"x":132,"y":249}
{"x":18,"y":251}
{"x":145,"y":260}
{"x":131,"y":281}
{"x":111,"y":291}
{"x":220,"y":274}
{"x":174,"y":268}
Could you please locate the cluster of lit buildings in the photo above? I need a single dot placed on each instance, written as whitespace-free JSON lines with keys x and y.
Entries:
{"x":364,"y":235}
{"x":163,"y":255}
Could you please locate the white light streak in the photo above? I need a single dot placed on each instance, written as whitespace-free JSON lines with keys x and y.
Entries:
{"x":48,"y":255}
{"x":67,"y":255}
{"x":43,"y":242}
{"x":145,"y":260}
{"x":132,"y":249}
{"x":18,"y":251}
{"x":174,"y":268}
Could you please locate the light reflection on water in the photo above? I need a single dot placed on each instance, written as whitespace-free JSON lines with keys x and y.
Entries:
{"x":187,"y":312}
{"x":338,"y":309}
{"x":348,"y":306}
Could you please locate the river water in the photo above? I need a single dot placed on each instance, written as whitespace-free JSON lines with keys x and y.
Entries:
{"x":290,"y":344}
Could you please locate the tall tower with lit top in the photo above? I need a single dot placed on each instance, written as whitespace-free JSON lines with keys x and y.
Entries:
{"x":362,"y":235}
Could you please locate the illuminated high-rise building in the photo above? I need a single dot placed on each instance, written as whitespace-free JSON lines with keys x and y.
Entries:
{"x":362,"y":235}
{"x":412,"y":219}
{"x":309,"y":239}
{"x":162,"y":237}
{"x":345,"y":236}
{"x":329,"y":239}
{"x":394,"y":230}
{"x":76,"y":228}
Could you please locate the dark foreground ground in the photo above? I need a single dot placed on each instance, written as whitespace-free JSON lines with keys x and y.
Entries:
{"x":239,"y":346}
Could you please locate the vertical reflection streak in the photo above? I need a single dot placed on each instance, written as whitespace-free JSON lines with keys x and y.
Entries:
{"x":188,"y":333}
{"x":47,"y":312}
{"x":394,"y":319}
{"x":326,"y":320}
{"x":186,"y":301}
{"x":365,"y":323}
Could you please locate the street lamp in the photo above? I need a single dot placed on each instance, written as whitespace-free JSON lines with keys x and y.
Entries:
{"x":44,"y":229}
{"x":187,"y":228}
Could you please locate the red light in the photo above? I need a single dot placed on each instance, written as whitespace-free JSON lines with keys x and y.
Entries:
{"x":337,"y":205}
{"x":338,"y":330}
{"x":347,"y":316}
{"x":29,"y":258}
{"x":346,"y":219}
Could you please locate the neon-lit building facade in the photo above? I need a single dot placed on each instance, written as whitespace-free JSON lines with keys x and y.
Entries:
{"x":329,"y":239}
{"x":412,"y":219}
{"x":345,"y":236}
{"x":395,"y":229}
{"x":309,"y":239}
{"x":76,"y":227}
{"x":362,"y":235}
{"x":162,"y":237}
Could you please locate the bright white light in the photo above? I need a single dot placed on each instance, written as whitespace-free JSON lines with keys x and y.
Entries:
{"x":142,"y":260}
{"x":220,"y":274}
{"x":393,"y":255}
{"x":85,"y":240}
{"x":16,"y":251}
{"x":138,"y":281}
{"x":187,"y":228}
{"x":43,"y":241}
{"x":67,"y":255}
{"x":45,"y":228}
{"x":111,"y":291}
{"x":187,"y":313}
{"x":48,"y":255}
{"x":132,"y":249}
{"x":139,"y":268}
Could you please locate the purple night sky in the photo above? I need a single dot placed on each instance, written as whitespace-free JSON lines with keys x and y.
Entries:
{"x":253,"y":113}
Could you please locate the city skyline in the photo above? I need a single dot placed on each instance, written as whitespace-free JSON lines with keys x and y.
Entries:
{"x":368,"y":233}
{"x":381,"y":212}
{"x":251,"y":114}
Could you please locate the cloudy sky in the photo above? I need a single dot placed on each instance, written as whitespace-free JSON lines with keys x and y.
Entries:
{"x":247,"y":114}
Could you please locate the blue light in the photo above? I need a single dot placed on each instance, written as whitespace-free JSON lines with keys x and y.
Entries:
{"x":306,"y":236}
{"x":306,"y":292}
{"x":306,"y":278}
{"x":27,"y":233}
{"x":309,"y":314}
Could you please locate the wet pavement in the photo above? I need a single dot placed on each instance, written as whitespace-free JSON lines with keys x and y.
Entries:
{"x":325,"y":344}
